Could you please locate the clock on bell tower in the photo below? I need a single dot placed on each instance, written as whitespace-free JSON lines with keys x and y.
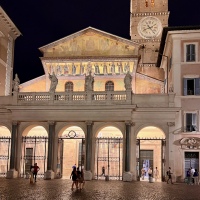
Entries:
{"x":147,"y":19}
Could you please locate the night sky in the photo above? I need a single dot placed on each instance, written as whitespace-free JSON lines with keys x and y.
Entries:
{"x":44,"y":21}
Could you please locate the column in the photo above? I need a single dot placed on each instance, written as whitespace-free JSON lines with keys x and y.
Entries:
{"x":49,"y":174}
{"x":13,"y":173}
{"x":88,"y":173}
{"x":127,"y":175}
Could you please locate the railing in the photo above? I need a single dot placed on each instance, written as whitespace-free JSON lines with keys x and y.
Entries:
{"x":90,"y":98}
{"x":109,"y":97}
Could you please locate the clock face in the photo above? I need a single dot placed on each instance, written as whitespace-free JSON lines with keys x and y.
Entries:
{"x":149,"y":27}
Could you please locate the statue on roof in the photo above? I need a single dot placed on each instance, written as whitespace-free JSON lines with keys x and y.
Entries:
{"x":128,"y":81}
{"x":54,"y":82}
{"x":89,"y":80}
{"x":15,"y":83}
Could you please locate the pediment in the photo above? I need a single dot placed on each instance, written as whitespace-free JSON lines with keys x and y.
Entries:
{"x":90,"y":42}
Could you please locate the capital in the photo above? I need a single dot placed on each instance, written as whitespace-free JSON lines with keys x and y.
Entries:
{"x":15,"y":123}
{"x":89,"y":122}
{"x":170,"y":124}
{"x":130,"y":123}
{"x":51,"y":122}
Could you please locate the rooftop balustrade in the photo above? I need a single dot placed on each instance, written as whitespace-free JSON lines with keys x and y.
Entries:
{"x":89,"y":98}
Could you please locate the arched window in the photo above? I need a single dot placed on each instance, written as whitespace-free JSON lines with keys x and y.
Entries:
{"x":109,"y":86}
{"x":69,"y":87}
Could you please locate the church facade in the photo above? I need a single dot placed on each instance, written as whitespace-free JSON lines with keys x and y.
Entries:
{"x":106,"y":101}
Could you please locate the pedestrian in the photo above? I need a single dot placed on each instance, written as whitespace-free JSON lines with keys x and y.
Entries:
{"x":189,"y":176}
{"x":74,"y":177}
{"x":150,"y":174}
{"x":169,"y":174}
{"x":156,"y":174}
{"x":196,"y":177}
{"x":34,"y":170}
{"x":143,"y":173}
{"x":81,"y":180}
{"x":103,"y":171}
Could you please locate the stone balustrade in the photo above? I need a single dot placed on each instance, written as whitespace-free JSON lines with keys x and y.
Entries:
{"x":89,"y":98}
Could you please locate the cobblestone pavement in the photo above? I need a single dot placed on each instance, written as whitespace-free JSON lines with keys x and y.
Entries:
{"x":14,"y":189}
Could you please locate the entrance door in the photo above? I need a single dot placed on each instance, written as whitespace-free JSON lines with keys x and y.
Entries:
{"x":71,"y":151}
{"x":108,"y":158}
{"x":191,"y":160}
{"x":146,"y":160}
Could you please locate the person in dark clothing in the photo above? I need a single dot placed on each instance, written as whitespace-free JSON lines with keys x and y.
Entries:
{"x":103,"y":171}
{"x":169,"y":174}
{"x":74,"y":177}
{"x":34,"y":169}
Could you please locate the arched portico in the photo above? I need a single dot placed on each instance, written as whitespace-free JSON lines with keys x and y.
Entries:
{"x":5,"y":145}
{"x":71,"y":149}
{"x":34,"y":149}
{"x":108,"y":152}
{"x":150,"y":152}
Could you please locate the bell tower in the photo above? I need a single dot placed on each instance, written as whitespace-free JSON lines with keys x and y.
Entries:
{"x":147,"y":19}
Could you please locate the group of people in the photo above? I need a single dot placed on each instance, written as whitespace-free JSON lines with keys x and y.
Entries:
{"x":155,"y":174}
{"x":151,"y":173}
{"x":77,"y":177}
{"x":192,"y":176}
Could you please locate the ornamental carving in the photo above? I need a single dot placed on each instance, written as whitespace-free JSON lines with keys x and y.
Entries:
{"x":190,"y":143}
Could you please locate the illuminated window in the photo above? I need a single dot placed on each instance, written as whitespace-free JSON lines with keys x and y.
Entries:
{"x":69,"y":87}
{"x":109,"y":86}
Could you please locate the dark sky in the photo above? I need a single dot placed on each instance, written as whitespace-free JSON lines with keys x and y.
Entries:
{"x":42,"y":22}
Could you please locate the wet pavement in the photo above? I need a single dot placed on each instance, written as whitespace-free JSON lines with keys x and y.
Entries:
{"x":14,"y":189}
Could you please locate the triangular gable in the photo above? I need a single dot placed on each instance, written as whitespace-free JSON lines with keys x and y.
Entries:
{"x":90,"y":42}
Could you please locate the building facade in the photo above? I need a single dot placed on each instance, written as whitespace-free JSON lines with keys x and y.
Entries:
{"x":103,"y":102}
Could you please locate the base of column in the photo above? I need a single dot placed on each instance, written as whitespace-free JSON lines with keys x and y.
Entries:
{"x":12,"y":173}
{"x":49,"y":174}
{"x":88,"y":175}
{"x":127,"y":176}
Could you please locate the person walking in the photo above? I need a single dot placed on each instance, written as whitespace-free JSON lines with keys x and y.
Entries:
{"x":143,"y":173}
{"x":150,"y":174}
{"x":169,"y":174}
{"x":103,"y":171}
{"x":34,"y":170}
{"x":74,"y":177}
{"x":196,"y":177}
{"x":189,"y":176}
{"x":156,"y":174}
{"x":81,"y":180}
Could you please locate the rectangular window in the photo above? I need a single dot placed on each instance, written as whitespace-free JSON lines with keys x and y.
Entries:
{"x":191,"y":86}
{"x":191,"y":122}
{"x":190,"y":53}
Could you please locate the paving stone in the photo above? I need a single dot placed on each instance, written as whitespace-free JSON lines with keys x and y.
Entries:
{"x":60,"y":189}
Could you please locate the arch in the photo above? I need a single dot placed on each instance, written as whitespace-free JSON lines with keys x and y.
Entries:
{"x":149,"y":125}
{"x":4,"y":131}
{"x":69,"y":86}
{"x":109,"y":86}
{"x":27,"y":127}
{"x":103,"y":125}
{"x":62,"y":127}
{"x":8,"y":126}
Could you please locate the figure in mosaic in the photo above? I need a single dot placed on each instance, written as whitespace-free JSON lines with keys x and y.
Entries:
{"x":105,"y":71}
{"x":89,"y":80}
{"x":97,"y":69}
{"x":128,"y":81}
{"x":82,"y":69}
{"x":54,"y":82}
{"x":66,"y":70}
{"x":16,"y":83}
{"x":73,"y":69}
{"x":112,"y":69}
{"x":120,"y":68}
{"x":126,"y":67}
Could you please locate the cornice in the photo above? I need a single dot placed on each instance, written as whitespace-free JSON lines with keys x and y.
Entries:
{"x":88,"y":58}
{"x":145,"y":14}
{"x":9,"y":23}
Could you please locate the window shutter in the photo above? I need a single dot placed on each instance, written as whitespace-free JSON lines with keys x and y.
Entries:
{"x":192,"y":52}
{"x":185,"y":86}
{"x":197,"y":86}
{"x":187,"y":52}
